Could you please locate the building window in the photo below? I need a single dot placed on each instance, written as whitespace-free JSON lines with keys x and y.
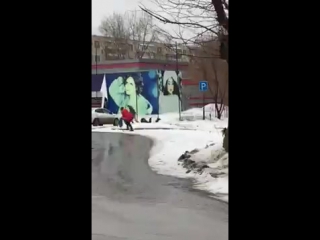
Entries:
{"x":106,"y":52}
{"x":96,"y":44}
{"x":141,"y":47}
{"x":130,"y":47}
{"x":145,"y":55}
{"x":170,"y":56}
{"x":97,"y":58}
{"x":159,"y":50}
{"x":152,"y":55}
{"x":184,"y":51}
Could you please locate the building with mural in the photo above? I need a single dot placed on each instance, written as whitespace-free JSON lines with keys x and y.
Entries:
{"x":128,"y":57}
{"x":146,"y":86}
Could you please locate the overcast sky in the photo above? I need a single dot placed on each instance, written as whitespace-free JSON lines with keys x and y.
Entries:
{"x":102,"y":8}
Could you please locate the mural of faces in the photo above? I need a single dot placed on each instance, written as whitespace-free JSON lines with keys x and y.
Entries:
{"x":126,"y":91}
{"x":171,"y":87}
{"x":169,"y":99}
{"x":170,"y":79}
{"x":144,"y":93}
{"x":130,"y":86}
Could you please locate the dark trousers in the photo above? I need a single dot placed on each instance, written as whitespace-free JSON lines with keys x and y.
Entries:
{"x":128,"y":124}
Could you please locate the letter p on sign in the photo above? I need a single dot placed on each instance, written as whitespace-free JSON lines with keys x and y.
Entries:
{"x":203,"y":86}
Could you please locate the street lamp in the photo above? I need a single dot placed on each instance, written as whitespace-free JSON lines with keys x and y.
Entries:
{"x":96,"y":46}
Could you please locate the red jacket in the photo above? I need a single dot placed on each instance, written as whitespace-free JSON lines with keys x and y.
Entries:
{"x":126,"y":115}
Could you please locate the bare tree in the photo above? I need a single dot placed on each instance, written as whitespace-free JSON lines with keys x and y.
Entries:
{"x":144,"y":33}
{"x":129,"y":35}
{"x":115,"y":28}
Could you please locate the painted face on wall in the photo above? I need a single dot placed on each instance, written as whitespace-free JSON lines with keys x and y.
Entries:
{"x":170,"y":85}
{"x":130,"y":86}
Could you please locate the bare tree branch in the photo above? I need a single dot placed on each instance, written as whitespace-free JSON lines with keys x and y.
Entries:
{"x":191,"y":16}
{"x":195,"y":19}
{"x":130,"y":34}
{"x":166,"y":20}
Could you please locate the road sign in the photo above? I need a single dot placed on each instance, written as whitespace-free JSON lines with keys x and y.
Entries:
{"x":203,"y":86}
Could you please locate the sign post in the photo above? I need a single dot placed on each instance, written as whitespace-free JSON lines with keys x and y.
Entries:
{"x":203,"y":87}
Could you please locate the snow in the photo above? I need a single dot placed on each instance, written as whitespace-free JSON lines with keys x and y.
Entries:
{"x":181,"y":136}
{"x":142,"y":126}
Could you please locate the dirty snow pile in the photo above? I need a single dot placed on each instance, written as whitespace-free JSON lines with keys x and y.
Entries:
{"x":210,"y":161}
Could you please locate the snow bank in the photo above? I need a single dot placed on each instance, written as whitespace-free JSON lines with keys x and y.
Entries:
{"x":214,"y":178}
{"x":170,"y":145}
{"x":191,"y":119}
{"x":192,"y":114}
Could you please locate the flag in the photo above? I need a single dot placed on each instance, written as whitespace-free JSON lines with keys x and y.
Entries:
{"x":104,"y":92}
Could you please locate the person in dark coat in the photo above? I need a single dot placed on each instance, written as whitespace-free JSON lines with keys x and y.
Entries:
{"x":127,"y":117}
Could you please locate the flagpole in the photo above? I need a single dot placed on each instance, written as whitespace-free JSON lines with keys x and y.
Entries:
{"x":103,"y":90}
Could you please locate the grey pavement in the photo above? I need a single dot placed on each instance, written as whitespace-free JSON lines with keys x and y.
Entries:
{"x":130,"y":201}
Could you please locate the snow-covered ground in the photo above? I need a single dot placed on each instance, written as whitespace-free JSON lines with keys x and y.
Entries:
{"x":176,"y":137}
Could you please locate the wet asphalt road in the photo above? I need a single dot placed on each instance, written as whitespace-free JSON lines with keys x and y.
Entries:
{"x":130,"y":201}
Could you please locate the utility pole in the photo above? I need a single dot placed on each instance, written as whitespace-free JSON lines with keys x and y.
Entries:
{"x":158,"y":96}
{"x":96,"y":45}
{"x":137,"y":115}
{"x":177,"y":72}
{"x":203,"y":110}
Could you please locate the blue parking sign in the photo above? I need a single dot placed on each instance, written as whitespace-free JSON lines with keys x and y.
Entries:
{"x":203,"y":86}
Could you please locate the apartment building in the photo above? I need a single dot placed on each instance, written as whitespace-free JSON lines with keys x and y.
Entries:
{"x":105,"y":49}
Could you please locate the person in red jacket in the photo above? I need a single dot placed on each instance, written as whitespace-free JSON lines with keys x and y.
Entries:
{"x":127,"y":117}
